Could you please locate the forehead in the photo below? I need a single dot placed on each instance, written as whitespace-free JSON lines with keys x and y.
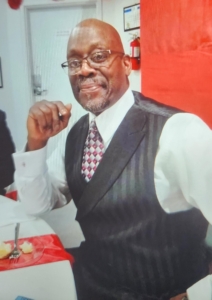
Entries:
{"x":83,"y":40}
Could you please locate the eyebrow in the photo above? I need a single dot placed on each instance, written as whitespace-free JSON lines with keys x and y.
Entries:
{"x":93,"y":47}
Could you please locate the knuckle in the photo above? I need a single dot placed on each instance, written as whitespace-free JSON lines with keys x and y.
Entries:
{"x":58,"y":102}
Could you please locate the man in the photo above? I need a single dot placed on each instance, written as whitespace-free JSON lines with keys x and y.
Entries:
{"x":6,"y":149}
{"x":143,"y":167}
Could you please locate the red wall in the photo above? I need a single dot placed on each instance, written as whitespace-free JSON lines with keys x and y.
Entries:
{"x":176,"y":54}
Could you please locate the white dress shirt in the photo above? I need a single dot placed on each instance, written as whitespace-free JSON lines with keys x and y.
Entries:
{"x":182,"y":173}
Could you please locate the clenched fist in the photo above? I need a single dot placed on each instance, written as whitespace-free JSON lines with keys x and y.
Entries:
{"x":45,"y":120}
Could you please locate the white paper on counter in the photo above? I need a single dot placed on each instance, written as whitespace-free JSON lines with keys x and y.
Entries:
{"x":12,"y":212}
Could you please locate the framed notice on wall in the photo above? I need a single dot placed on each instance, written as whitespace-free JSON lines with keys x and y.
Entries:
{"x":131,"y":17}
{"x":1,"y":79}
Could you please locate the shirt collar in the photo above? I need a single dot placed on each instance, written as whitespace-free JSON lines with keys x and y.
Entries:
{"x":110,"y":119}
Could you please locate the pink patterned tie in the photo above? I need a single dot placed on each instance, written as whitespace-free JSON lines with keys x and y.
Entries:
{"x":93,"y":152}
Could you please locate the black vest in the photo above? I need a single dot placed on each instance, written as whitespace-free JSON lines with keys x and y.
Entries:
{"x":132,"y":248}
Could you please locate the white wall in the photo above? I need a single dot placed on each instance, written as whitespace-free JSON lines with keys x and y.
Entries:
{"x":15,"y":97}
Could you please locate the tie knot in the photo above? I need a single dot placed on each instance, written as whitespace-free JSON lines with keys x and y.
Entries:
{"x":93,"y":130}
{"x":93,"y":125}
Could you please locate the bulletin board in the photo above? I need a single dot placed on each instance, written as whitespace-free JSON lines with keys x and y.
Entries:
{"x":131,"y":15}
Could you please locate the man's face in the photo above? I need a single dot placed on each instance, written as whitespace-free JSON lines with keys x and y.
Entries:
{"x":96,"y":89}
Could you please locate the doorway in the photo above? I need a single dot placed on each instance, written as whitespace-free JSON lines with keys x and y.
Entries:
{"x":48,"y":30}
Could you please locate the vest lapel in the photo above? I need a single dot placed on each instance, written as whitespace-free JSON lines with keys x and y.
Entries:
{"x":78,"y":138}
{"x":124,"y":143}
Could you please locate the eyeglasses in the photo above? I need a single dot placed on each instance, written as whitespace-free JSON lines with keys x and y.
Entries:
{"x":94,"y":60}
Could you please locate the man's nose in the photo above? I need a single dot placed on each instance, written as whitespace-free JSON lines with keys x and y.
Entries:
{"x":86,"y":69}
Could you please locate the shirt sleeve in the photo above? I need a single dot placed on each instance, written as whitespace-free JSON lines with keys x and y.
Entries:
{"x":183,"y":165}
{"x":201,"y":290}
{"x":41,"y":183}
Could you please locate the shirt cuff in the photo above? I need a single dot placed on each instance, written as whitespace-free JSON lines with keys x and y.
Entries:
{"x":31,"y":163}
{"x":201,"y":290}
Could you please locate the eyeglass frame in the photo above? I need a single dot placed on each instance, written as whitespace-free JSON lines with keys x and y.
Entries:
{"x":86,"y":59}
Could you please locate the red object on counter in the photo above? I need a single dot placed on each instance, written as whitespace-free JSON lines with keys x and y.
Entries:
{"x":13,"y":195}
{"x":14,"y":4}
{"x":46,"y":249}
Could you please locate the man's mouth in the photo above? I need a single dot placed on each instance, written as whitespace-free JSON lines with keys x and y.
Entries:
{"x":89,"y":87}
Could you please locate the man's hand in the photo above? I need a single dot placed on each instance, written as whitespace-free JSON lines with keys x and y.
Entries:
{"x":179,"y":297}
{"x":45,"y":120}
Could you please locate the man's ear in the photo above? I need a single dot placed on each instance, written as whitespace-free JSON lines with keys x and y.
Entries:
{"x":127,"y":64}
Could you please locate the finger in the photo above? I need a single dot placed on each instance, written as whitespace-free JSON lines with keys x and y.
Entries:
{"x":46,"y":109}
{"x":69,"y":107}
{"x":51,"y":111}
{"x":66,"y":117}
{"x":55,"y":120}
{"x":42,"y":113}
{"x":65,"y":114}
{"x":38,"y":116}
{"x":60,"y":115}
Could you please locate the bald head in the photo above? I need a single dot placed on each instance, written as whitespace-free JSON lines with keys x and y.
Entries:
{"x":107,"y":32}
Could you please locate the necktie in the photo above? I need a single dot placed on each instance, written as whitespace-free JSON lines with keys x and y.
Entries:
{"x":93,"y":152}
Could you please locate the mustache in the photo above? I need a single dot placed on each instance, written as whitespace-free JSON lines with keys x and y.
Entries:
{"x":90,"y":81}
{"x":87,"y":79}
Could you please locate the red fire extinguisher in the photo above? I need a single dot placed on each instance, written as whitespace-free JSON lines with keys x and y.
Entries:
{"x":135,"y":53}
